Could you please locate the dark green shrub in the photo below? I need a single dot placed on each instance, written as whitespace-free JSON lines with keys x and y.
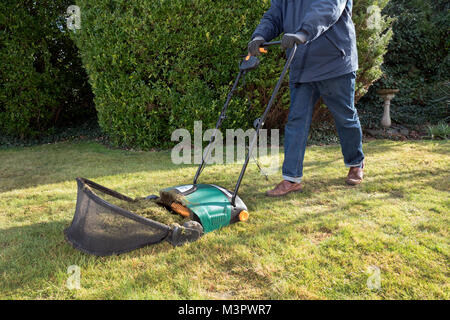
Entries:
{"x":417,"y":63}
{"x":373,"y":32}
{"x":42,"y":82}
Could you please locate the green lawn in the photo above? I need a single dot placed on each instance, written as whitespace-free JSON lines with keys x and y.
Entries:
{"x":318,"y":244}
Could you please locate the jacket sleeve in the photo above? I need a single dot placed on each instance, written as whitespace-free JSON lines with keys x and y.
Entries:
{"x":271,"y":25}
{"x":321,"y":15}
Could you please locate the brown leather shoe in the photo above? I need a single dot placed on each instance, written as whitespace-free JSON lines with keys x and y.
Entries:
{"x":355,"y":176}
{"x":283,"y":188}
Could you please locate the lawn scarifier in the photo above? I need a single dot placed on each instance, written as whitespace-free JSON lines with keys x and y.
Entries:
{"x":116,"y":225}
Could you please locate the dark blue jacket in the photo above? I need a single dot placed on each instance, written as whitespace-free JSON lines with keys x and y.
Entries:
{"x":331,"y":47}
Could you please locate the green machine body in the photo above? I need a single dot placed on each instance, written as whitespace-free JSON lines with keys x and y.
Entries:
{"x":210,"y":205}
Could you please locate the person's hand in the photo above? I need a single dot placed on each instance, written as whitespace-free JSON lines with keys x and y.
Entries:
{"x":289,"y":39}
{"x":254,"y":45}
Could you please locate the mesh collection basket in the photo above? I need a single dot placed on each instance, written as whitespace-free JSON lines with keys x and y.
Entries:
{"x":102,"y":228}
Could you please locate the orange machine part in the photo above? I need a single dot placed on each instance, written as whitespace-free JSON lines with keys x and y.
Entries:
{"x":262,"y":50}
{"x":243,"y":215}
{"x":178,"y":208}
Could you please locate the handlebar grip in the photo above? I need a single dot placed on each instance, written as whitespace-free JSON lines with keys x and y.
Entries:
{"x":264,"y":46}
{"x":270,"y":44}
{"x":261,"y":50}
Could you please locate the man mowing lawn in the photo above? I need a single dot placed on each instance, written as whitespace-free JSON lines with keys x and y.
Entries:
{"x":324,"y":66}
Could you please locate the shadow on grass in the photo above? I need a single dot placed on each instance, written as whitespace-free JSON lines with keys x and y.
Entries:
{"x":49,"y":164}
{"x":35,"y":253}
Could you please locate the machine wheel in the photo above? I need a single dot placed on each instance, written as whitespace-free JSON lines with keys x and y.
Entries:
{"x":189,"y":232}
{"x":194,"y":225}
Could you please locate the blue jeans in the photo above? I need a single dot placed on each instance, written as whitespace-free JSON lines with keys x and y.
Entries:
{"x":338,"y":94}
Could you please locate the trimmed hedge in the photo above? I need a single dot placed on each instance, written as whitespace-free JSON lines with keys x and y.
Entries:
{"x":42,"y":81}
{"x":156,"y":66}
{"x":417,"y":63}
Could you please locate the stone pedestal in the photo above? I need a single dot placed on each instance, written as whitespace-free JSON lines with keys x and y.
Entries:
{"x":387,"y":95}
